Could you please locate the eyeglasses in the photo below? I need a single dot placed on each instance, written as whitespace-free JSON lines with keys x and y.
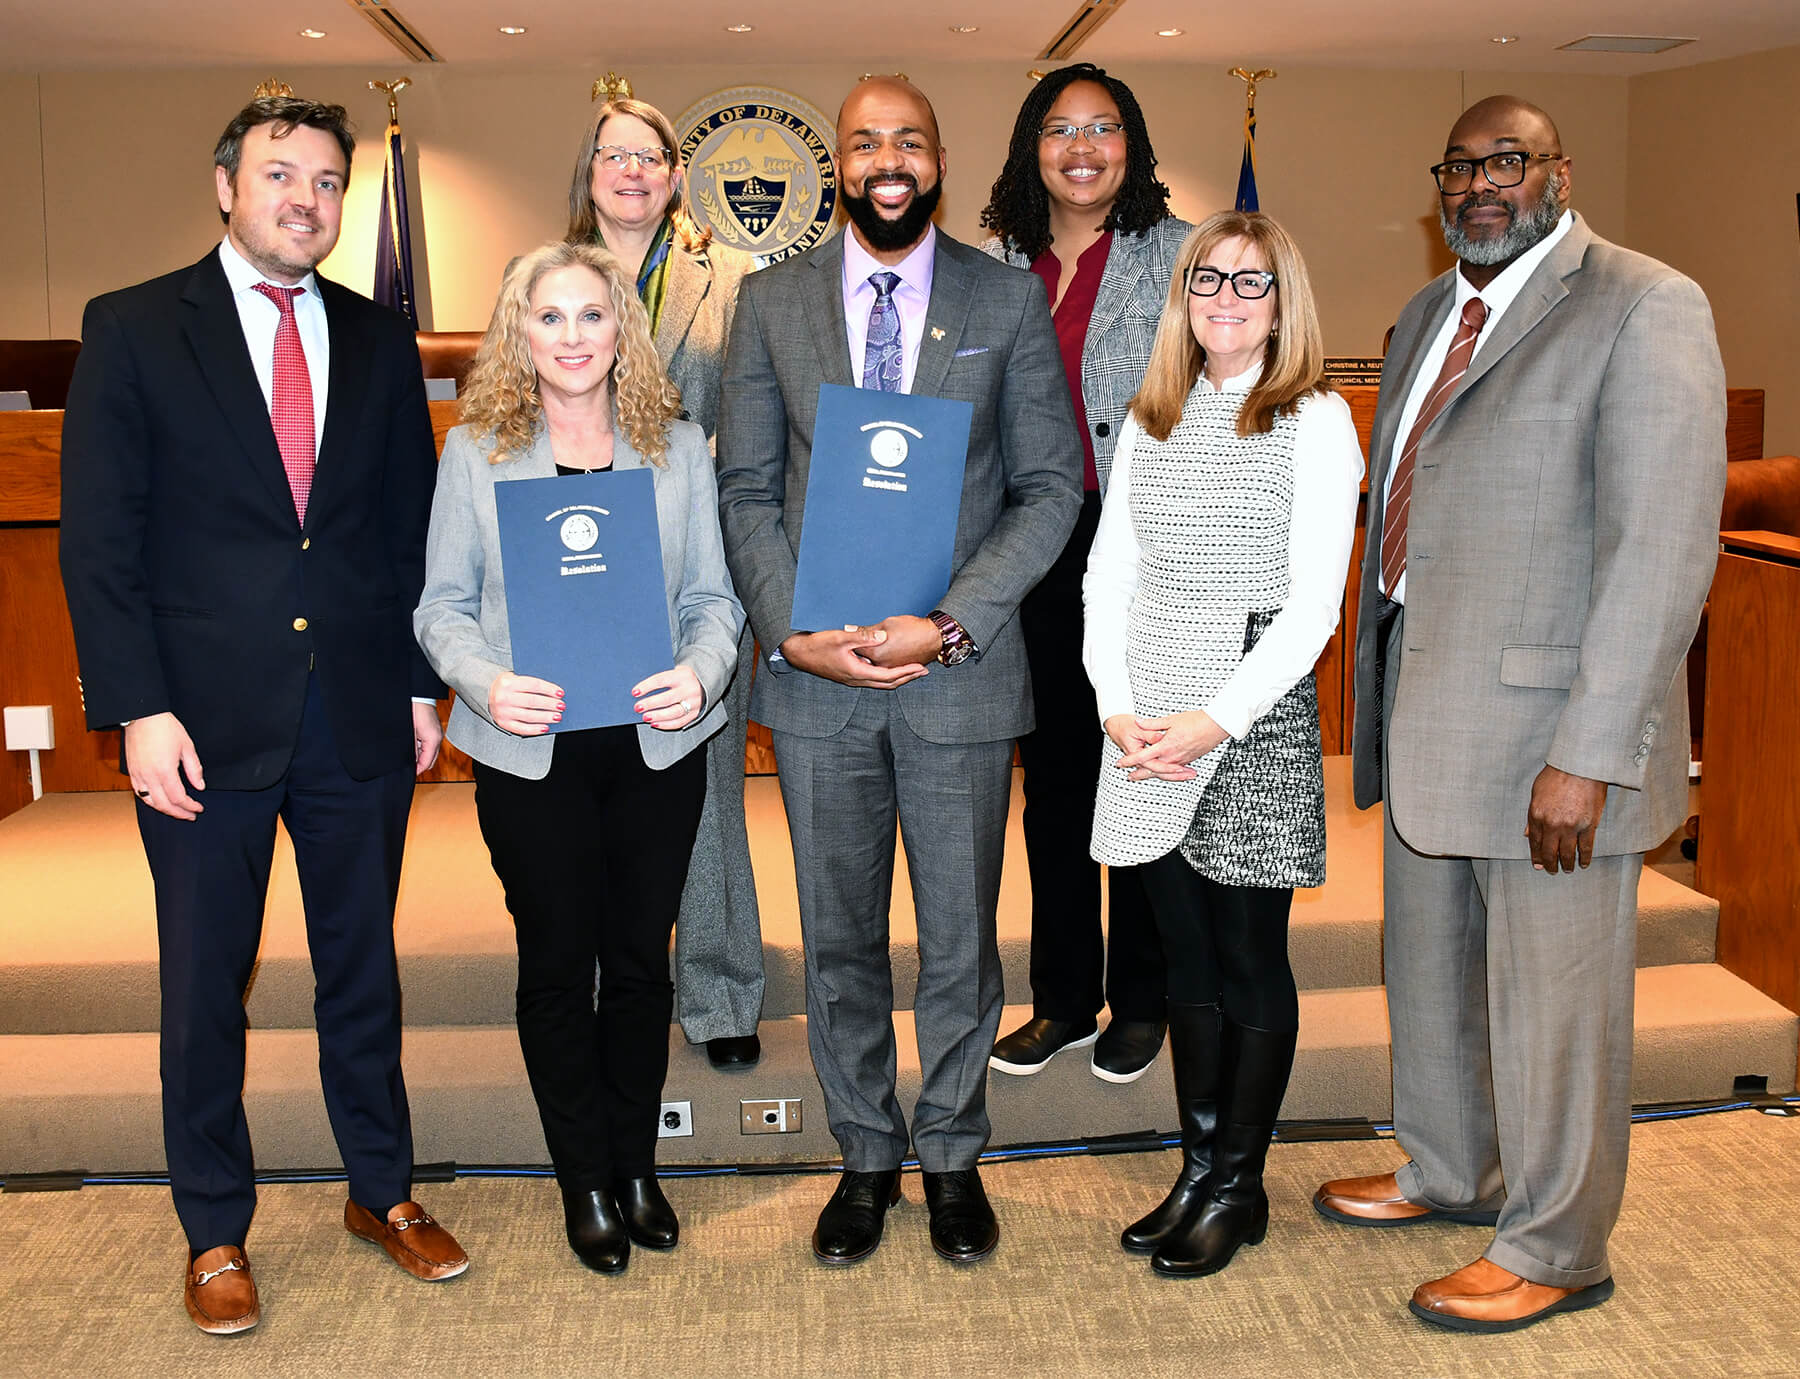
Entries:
{"x":1067,"y":133}
{"x":1501,"y":169}
{"x":649,"y":159}
{"x":1248,"y":283}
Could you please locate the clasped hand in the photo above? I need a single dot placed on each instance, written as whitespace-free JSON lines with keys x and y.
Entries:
{"x":526,"y":706}
{"x":884,"y":655}
{"x":1163,"y":747}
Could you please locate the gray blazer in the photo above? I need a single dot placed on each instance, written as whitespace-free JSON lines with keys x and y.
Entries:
{"x":698,"y":305}
{"x":1563,"y":532}
{"x":1116,"y":350}
{"x":989,"y":341}
{"x":461,"y":619}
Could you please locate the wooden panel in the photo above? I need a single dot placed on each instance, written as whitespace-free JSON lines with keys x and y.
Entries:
{"x":30,"y":456}
{"x":1749,"y":805}
{"x":1743,"y":423}
{"x":1773,"y":543}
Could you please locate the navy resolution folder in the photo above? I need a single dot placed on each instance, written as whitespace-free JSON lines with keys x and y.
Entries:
{"x":881,"y":506}
{"x":584,"y":588}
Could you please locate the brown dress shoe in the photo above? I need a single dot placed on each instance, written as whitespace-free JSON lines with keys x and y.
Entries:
{"x":220,"y":1294}
{"x":1377,"y":1201}
{"x":412,"y":1239}
{"x":1484,"y":1297}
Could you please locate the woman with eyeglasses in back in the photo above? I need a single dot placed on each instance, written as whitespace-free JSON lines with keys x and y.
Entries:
{"x":1213,"y":585}
{"x":627,"y":193}
{"x":1078,"y":202}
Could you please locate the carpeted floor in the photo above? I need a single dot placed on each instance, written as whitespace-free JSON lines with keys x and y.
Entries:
{"x":1703,"y":1255}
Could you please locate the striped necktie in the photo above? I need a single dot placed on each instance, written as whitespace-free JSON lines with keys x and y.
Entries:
{"x":1399,"y":501}
{"x":291,"y":399}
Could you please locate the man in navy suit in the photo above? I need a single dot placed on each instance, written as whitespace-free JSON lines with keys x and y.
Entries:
{"x":247,"y":477}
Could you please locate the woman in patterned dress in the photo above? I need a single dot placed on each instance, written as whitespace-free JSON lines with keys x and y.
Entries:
{"x":1214,"y":582}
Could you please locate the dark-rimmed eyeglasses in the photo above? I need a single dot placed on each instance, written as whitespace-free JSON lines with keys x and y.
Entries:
{"x":649,"y":159}
{"x":1248,"y":283}
{"x":1501,"y":170}
{"x":1068,"y":133}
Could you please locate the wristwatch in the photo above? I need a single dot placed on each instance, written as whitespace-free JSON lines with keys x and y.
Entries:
{"x":958,"y":645}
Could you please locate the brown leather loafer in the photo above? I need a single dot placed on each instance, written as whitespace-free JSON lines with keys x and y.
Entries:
{"x":1484,"y":1297}
{"x":220,"y":1294}
{"x":412,"y":1239}
{"x":1377,"y":1201}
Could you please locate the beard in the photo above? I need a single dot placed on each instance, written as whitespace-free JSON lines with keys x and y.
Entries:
{"x":886,"y":236}
{"x":1522,"y":231}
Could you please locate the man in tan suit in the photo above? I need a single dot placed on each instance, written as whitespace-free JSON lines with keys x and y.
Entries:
{"x":1546,"y":472}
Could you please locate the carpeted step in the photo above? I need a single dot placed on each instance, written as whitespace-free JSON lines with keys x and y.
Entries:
{"x":80,"y":931}
{"x":92,"y":1102}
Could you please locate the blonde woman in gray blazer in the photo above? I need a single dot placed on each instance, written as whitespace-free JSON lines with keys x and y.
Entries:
{"x":1078,"y":202}
{"x":589,"y":831}
{"x":626,"y":192}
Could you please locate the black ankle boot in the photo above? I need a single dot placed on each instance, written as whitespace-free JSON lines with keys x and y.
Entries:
{"x":596,"y":1230}
{"x":1236,"y":1209}
{"x":1195,"y":1053}
{"x":649,"y":1219}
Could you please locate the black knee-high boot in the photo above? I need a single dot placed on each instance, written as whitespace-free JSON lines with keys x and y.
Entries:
{"x":1199,"y":1060}
{"x":1236,"y":1209}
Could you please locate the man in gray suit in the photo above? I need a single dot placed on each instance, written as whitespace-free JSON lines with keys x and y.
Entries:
{"x":914,"y":715}
{"x":1546,"y":471}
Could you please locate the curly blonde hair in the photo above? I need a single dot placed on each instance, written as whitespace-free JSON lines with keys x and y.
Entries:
{"x":501,"y":398}
{"x":1293,"y":358}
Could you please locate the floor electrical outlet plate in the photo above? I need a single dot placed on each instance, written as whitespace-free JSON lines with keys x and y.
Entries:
{"x":779,"y":1117}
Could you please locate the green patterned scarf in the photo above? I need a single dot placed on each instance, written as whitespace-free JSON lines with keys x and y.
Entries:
{"x":653,"y":277}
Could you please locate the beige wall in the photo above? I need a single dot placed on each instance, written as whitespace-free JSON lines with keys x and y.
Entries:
{"x":24,"y":285}
{"x":1714,"y":169}
{"x":493,"y":150}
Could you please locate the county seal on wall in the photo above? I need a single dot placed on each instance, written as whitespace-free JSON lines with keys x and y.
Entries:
{"x":759,"y":170}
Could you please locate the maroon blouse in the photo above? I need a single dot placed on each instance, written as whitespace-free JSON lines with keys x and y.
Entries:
{"x":1071,"y":317}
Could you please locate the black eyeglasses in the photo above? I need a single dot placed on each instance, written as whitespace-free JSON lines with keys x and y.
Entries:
{"x":1501,"y":169}
{"x":1248,"y":283}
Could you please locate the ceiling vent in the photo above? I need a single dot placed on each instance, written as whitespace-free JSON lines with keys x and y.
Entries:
{"x":398,"y":31}
{"x":1078,"y":27}
{"x":1622,"y":43}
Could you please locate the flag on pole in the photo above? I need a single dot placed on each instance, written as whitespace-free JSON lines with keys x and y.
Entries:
{"x":1246,"y":192}
{"x":393,"y":235}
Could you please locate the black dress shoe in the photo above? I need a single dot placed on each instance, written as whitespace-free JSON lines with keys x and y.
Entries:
{"x":1035,"y":1043}
{"x":849,"y":1228}
{"x":596,"y":1230}
{"x":734,"y":1052}
{"x":962,"y":1223}
{"x":649,"y":1219}
{"x":1127,"y":1048}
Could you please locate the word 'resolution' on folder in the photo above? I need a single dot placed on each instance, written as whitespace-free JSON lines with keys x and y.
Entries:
{"x":882,"y":501}
{"x":582,"y":556}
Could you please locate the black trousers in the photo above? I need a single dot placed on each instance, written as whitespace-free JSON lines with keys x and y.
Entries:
{"x":212,"y":880}
{"x":1226,"y":945}
{"x":1073,"y":970}
{"x":593,"y":859}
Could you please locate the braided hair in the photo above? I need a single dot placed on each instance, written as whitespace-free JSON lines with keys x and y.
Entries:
{"x":1018,"y":208}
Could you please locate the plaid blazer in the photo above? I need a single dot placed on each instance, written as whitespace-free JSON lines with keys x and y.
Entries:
{"x":1120,"y":332}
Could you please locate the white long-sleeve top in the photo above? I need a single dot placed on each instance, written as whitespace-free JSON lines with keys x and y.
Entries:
{"x":1328,"y":470}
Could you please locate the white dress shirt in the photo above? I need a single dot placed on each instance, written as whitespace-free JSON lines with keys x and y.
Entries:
{"x":259,"y":317}
{"x":1497,"y":296}
{"x":1328,"y":470}
{"x":912,"y":296}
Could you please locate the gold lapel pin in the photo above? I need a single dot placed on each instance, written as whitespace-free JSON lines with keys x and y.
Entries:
{"x":937,"y":332}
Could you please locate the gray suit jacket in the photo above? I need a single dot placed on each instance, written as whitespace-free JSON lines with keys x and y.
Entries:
{"x":461,"y":619}
{"x":1561,"y":540}
{"x":989,"y":341}
{"x":1116,"y":350}
{"x":698,"y":305}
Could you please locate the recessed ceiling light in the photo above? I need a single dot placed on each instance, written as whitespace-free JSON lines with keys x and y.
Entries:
{"x":739,"y":28}
{"x":965,"y":28}
{"x":1504,"y":38}
{"x":1623,"y":43}
{"x":1170,"y":33}
{"x":312,"y":33}
{"x":512,"y":30}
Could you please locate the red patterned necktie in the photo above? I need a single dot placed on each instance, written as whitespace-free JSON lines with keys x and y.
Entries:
{"x":291,"y":404}
{"x":1399,"y":502}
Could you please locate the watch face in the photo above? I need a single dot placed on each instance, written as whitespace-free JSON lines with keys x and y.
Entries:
{"x":579,"y":532}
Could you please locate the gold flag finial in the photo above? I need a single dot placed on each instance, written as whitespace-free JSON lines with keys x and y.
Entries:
{"x":1036,"y":74}
{"x":1250,"y":78}
{"x":898,"y":76}
{"x":271,"y":86}
{"x":393,"y":89}
{"x":612,"y":86}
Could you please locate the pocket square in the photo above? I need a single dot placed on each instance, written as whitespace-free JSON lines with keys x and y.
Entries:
{"x":973,"y":349}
